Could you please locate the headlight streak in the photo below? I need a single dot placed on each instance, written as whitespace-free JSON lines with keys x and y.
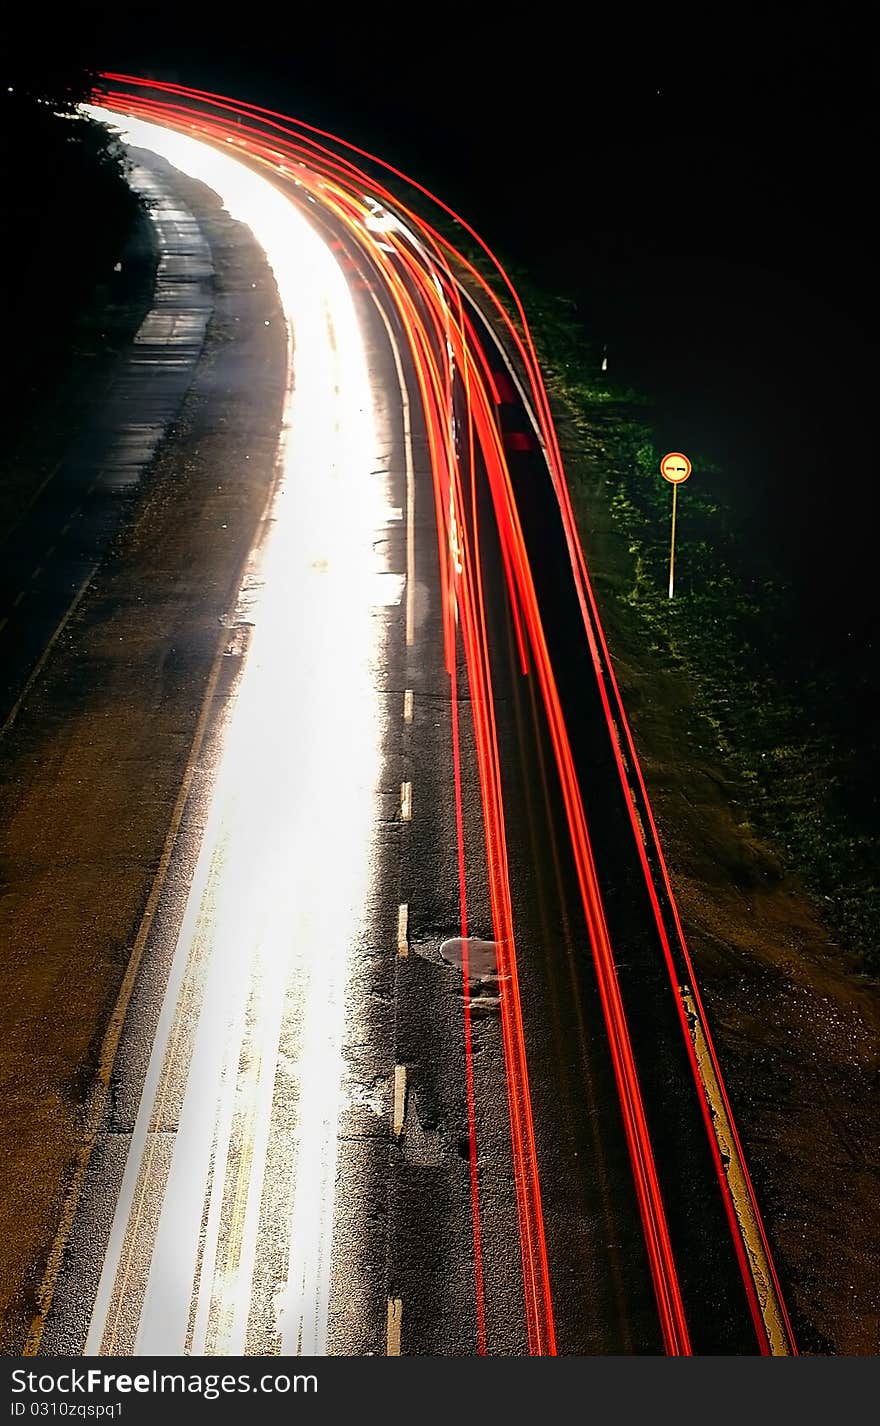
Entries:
{"x":434,"y":387}
{"x":286,"y":867}
{"x":462,"y":595}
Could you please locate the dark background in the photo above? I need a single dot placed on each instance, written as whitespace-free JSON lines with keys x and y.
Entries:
{"x":700,"y":182}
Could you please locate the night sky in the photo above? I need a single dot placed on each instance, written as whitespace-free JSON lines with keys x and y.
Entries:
{"x":701,"y":187}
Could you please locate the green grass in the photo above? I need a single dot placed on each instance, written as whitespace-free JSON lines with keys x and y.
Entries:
{"x":724,"y":631}
{"x":772,"y":726}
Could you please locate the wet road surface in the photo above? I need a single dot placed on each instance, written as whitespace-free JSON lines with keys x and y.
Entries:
{"x":95,"y":765}
{"x":54,"y":549}
{"x":368,"y":1093}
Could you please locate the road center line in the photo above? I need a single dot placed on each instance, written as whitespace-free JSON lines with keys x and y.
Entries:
{"x":399,"y":1114}
{"x":395,"y":1323}
{"x":403,"y":929}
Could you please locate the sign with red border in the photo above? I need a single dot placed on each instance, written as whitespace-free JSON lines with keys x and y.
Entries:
{"x":675,"y":468}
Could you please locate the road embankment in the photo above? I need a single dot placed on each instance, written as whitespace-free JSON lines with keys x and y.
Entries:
{"x":795,"y":1016}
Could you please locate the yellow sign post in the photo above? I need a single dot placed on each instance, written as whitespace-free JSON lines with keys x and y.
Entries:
{"x":675,"y":468}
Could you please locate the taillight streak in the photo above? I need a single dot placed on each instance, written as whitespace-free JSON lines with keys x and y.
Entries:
{"x":452,"y":338}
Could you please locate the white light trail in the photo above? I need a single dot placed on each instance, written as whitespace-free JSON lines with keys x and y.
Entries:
{"x":221,"y":1241}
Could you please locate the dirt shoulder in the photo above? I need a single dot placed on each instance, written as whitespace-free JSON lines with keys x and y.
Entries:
{"x":91,"y":769}
{"x":797,"y":1026}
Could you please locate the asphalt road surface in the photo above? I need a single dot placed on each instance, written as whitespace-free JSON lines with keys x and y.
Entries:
{"x":408,"y":1056}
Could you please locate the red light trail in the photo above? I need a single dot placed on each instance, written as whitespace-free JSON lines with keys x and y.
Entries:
{"x":420,"y":273}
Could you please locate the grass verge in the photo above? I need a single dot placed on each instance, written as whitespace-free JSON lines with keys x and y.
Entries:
{"x":780,"y":721}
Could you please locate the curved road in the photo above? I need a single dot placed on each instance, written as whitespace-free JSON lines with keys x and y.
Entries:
{"x":431,"y":1073}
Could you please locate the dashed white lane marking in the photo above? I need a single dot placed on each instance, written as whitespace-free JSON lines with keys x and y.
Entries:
{"x":399,"y":1100}
{"x":403,"y":929}
{"x":406,"y":802}
{"x":408,"y":706}
{"x":395,"y":1323}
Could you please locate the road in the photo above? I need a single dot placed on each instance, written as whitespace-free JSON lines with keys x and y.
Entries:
{"x":427,"y":1071}
{"x":52,"y":549}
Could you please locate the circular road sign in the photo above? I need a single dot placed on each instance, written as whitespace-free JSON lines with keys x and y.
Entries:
{"x":675,"y":468}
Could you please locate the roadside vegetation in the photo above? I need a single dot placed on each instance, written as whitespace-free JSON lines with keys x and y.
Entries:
{"x":787,"y":726}
{"x":67,"y":212}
